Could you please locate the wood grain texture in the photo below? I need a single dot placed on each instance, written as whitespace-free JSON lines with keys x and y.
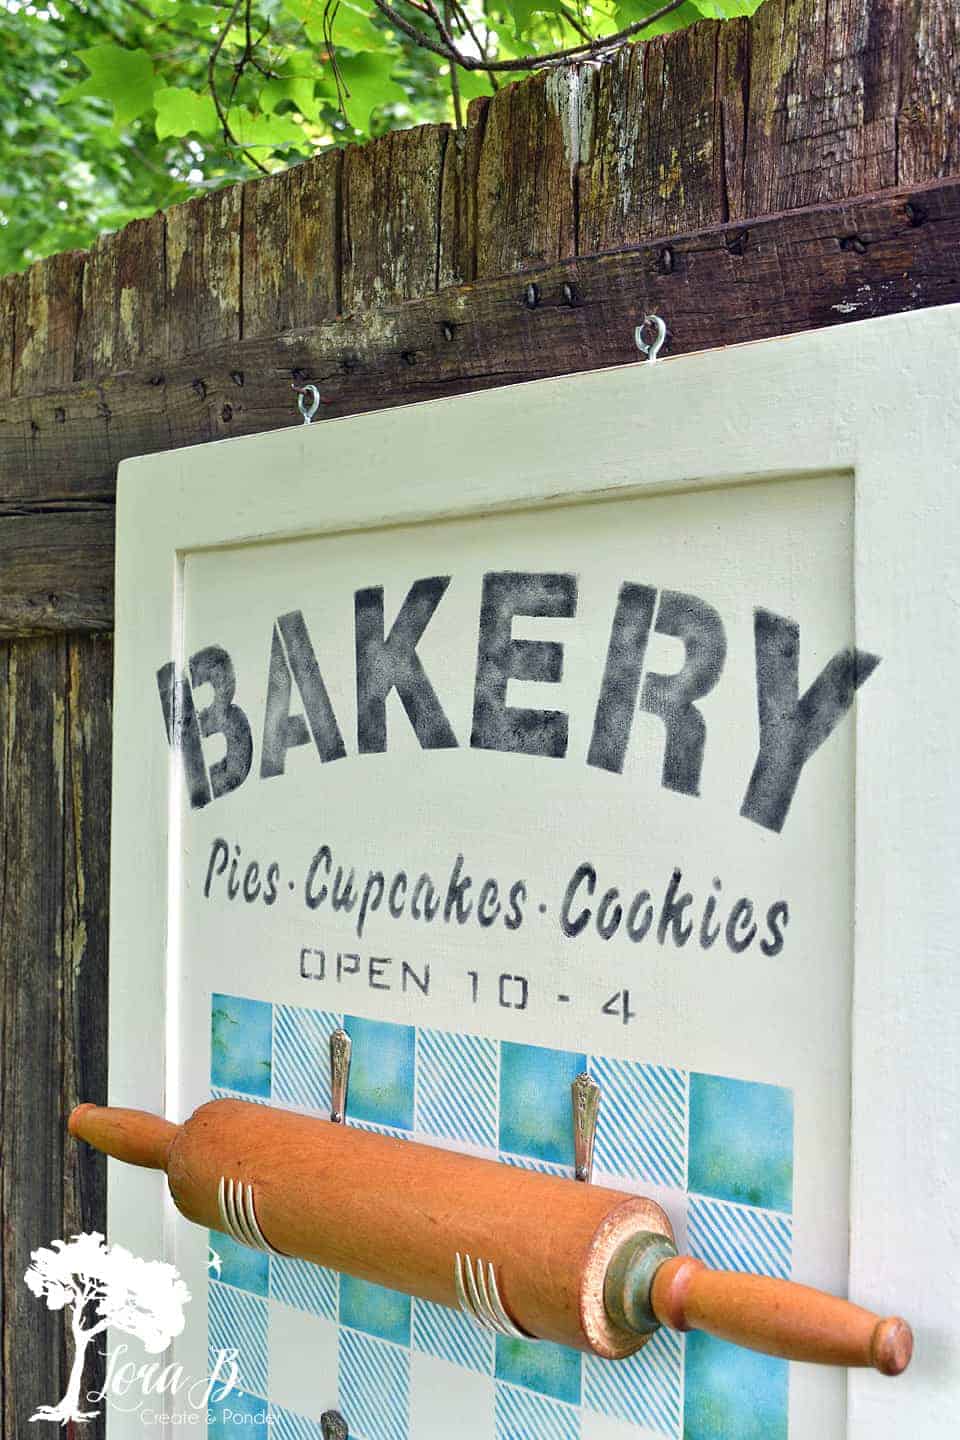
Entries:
{"x":202,"y":247}
{"x":124,"y":316}
{"x":291,"y":247}
{"x":391,"y":212}
{"x":726,"y":285}
{"x":56,"y":569}
{"x":55,"y":787}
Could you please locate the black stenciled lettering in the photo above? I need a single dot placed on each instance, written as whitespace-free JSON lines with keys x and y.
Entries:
{"x":213,"y":666}
{"x":424,"y":891}
{"x":370,"y":900}
{"x":792,"y":728}
{"x":620,"y":686}
{"x":456,"y":900}
{"x":673,"y":697}
{"x":219,"y":855}
{"x":609,"y":914}
{"x":183,"y":732}
{"x":583,"y":875}
{"x":671,"y":916}
{"x":488,"y":905}
{"x":293,"y":661}
{"x":778,"y":917}
{"x":344,"y":895}
{"x":515,"y":900}
{"x":638,"y":925}
{"x":398,"y":894}
{"x":392,"y":663}
{"x":741,"y":930}
{"x":500,"y":658}
{"x":321,"y":860}
{"x":709,"y":929}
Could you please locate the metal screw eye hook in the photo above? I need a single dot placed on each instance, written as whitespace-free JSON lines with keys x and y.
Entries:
{"x":307,"y":410}
{"x":651,"y":348}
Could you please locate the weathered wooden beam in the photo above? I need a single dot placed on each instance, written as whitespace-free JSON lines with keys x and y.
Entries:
{"x":722,"y":286}
{"x":56,"y":568}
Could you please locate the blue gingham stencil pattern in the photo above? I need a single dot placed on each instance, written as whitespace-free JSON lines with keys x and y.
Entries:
{"x":644,"y":1389}
{"x":522,"y":1415}
{"x":374,"y":1387}
{"x":644,"y":1122}
{"x":739,"y":1237}
{"x":661,"y":1131}
{"x":239,"y":1321}
{"x":457,"y":1087}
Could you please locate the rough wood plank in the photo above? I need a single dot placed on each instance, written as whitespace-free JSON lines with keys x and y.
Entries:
{"x":929,"y":115}
{"x":86,"y":861}
{"x":391,"y":217}
{"x":10,"y":287}
{"x":56,"y":570}
{"x":823,"y":100}
{"x":525,"y":211}
{"x":124,"y":300}
{"x":291,"y":247}
{"x":459,"y":220}
{"x":722,"y":286}
{"x":203,"y":271}
{"x":31,"y":986}
{"x":48,"y":321}
{"x":655,"y":161}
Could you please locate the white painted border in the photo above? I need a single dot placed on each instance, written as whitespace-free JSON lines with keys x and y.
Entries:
{"x":878,"y":398}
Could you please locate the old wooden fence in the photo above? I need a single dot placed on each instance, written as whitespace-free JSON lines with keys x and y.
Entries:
{"x":744,"y":181}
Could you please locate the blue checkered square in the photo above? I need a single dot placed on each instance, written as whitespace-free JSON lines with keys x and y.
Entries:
{"x":375,"y":1309}
{"x":642,"y":1130}
{"x":301,"y":1057}
{"x":304,"y":1286}
{"x":729,"y":1391}
{"x":643,"y":1390}
{"x":457,"y":1087}
{"x":451,"y":1336}
{"x":739,"y":1237}
{"x":239,"y":1266}
{"x":238,"y":1321}
{"x":523,"y":1415}
{"x":285,"y":1425}
{"x":374,"y":1387}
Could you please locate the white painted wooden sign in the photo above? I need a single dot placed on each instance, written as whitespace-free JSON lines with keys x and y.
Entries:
{"x":604,"y":722}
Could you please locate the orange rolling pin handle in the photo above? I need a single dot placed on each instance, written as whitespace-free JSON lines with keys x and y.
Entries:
{"x":130,"y":1135}
{"x":777,"y":1317}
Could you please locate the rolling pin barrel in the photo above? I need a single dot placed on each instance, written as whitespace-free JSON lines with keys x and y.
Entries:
{"x":578,"y":1264}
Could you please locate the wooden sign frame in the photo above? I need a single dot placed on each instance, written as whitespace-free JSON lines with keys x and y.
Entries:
{"x":877,"y":401}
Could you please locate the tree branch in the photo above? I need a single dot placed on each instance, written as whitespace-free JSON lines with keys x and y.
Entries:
{"x":588,"y":50}
{"x":222,"y":116}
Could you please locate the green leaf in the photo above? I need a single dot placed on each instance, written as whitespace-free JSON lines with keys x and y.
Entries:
{"x":296,"y":88}
{"x":264,"y":132}
{"x":355,"y":29}
{"x":630,"y":11}
{"x":367,"y":78}
{"x":473,"y":83}
{"x":310,"y":15}
{"x":184,"y":112}
{"x":124,"y":77}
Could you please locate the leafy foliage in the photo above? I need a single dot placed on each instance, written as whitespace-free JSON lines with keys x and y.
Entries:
{"x":111,"y":109}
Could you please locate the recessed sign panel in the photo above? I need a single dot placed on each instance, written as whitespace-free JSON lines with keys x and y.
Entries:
{"x":511,"y":797}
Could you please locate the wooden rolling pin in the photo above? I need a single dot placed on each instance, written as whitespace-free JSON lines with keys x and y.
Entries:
{"x":578,"y":1264}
